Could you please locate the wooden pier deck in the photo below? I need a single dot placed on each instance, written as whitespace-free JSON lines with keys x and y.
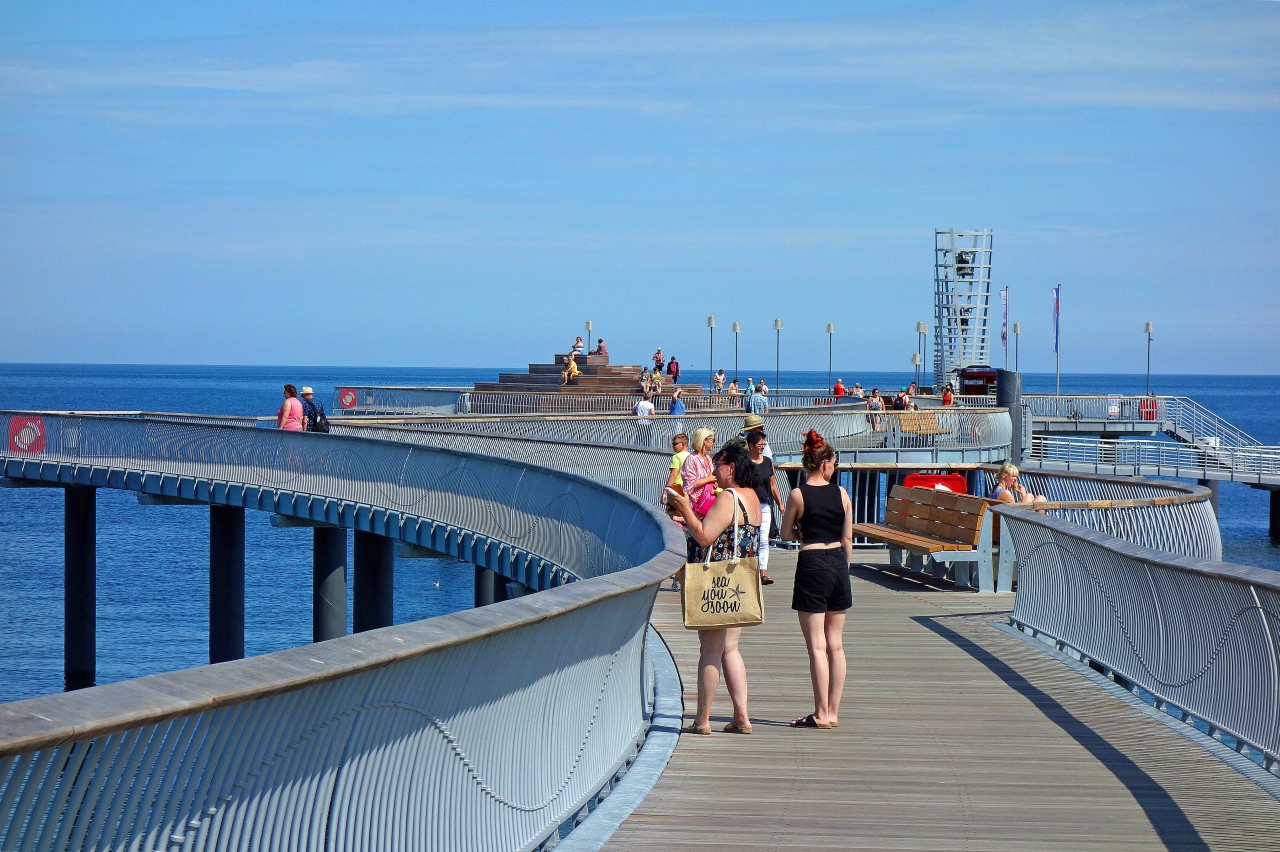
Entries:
{"x":954,"y":735}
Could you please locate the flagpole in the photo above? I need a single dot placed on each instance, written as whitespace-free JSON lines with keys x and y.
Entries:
{"x":1004,"y":325}
{"x":1057,"y":349}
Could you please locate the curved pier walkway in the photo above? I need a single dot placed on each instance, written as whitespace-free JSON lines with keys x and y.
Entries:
{"x":954,"y":735}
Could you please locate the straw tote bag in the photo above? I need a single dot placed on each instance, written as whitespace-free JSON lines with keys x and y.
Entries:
{"x":724,"y":593}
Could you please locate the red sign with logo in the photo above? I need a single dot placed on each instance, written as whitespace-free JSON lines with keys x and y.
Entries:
{"x":26,"y":435}
{"x":346,"y":397}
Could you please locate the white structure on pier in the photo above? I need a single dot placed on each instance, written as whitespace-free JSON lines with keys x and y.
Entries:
{"x":961,"y":301}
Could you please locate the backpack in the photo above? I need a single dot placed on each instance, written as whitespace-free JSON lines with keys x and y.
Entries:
{"x":316,"y":420}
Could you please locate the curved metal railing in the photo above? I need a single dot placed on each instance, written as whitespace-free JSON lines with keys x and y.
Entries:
{"x":1198,"y":635}
{"x":985,"y":434}
{"x":330,"y":744}
{"x":1177,"y":415}
{"x":1250,"y":464}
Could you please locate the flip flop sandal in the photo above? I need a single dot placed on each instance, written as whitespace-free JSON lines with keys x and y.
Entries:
{"x":808,"y":722}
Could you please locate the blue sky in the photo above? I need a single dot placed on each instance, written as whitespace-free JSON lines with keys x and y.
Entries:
{"x":408,"y":185}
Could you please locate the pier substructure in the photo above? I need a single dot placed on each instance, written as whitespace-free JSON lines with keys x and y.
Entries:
{"x":491,"y":587}
{"x":1214,"y":487}
{"x":226,"y":583}
{"x":328,"y":583}
{"x":373,"y":603}
{"x":80,"y":592}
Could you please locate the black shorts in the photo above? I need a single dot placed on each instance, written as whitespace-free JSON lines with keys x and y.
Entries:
{"x":822,"y":582}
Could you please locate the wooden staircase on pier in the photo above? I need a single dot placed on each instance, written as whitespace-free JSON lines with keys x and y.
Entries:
{"x":598,"y":377}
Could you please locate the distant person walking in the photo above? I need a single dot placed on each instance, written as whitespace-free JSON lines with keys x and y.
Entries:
{"x":673,"y":370}
{"x":820,"y":516}
{"x":313,"y":412}
{"x":767,"y":493}
{"x":289,"y":417}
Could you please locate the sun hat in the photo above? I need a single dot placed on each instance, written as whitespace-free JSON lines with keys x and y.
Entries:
{"x":753,"y":421}
{"x":306,"y":389}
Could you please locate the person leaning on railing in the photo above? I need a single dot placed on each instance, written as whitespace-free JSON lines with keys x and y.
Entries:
{"x":1009,"y":490}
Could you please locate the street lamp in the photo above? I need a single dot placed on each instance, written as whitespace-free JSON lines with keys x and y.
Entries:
{"x":915,"y":361}
{"x":921,"y":331}
{"x":584,"y":360}
{"x":1017,"y":330}
{"x":777,"y":354}
{"x":711,"y":329}
{"x":831,"y":330}
{"x":736,"y":328}
{"x":1150,"y":328}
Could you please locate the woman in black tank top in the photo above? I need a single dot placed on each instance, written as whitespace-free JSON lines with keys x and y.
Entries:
{"x":820,"y":516}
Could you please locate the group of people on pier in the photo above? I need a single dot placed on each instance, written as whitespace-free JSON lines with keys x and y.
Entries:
{"x":725,"y":502}
{"x":305,"y":414}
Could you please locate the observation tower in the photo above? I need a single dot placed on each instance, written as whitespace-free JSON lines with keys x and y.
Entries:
{"x":961,"y":302}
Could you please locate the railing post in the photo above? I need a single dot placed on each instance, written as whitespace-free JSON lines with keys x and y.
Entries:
{"x":328,"y":583}
{"x":373,"y":600}
{"x":80,"y":593}
{"x":226,"y":583}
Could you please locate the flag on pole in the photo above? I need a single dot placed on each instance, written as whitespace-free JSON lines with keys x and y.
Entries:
{"x":1004,"y":322}
{"x":1056,"y":295}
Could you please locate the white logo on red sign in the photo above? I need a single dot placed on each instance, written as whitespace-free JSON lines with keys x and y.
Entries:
{"x":26,"y":435}
{"x":346,"y":397}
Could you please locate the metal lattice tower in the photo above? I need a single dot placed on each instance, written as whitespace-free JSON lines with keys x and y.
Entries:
{"x":961,"y":301}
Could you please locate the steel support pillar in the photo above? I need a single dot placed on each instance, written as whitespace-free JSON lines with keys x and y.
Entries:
{"x":491,"y":587}
{"x":226,"y":583}
{"x":1214,"y":487}
{"x":328,"y":583}
{"x":373,"y":599}
{"x":1275,"y":515}
{"x":80,"y":590}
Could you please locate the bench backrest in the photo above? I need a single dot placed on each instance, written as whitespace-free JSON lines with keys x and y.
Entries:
{"x":919,"y":421}
{"x":942,"y":515}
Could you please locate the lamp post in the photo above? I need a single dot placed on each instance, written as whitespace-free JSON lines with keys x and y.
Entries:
{"x":584,"y":360}
{"x":736,"y":328}
{"x":921,"y":331}
{"x":1017,"y":330}
{"x":915,"y":361}
{"x":1150,"y":328}
{"x":777,"y":354}
{"x":831,"y":330}
{"x":711,"y":329}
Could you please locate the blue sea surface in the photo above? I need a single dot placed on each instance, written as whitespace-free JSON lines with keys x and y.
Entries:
{"x":153,"y":561}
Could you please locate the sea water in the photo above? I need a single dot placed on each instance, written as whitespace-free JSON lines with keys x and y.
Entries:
{"x":153,"y":560}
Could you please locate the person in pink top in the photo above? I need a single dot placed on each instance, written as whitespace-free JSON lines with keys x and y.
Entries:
{"x":290,"y":414}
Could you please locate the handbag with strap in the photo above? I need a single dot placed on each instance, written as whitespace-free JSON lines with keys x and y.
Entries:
{"x":724,"y":593}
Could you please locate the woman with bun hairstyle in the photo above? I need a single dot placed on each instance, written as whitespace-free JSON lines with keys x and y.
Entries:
{"x":736,"y":506}
{"x":820,"y":516}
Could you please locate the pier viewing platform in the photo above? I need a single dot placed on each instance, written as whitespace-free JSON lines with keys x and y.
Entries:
{"x":1125,"y":697}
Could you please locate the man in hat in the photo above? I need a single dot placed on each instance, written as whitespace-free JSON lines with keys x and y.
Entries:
{"x":313,"y":416}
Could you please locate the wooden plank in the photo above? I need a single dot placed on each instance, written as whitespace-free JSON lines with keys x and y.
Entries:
{"x":953,"y":736}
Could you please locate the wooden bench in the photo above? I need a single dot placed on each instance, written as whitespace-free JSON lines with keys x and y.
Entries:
{"x":951,"y":530}
{"x":921,"y":423}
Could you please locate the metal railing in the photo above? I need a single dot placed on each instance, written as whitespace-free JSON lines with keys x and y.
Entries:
{"x":386,"y":739}
{"x":1178,"y":415}
{"x":1253,"y":464}
{"x":984,"y":432}
{"x":1195,"y":638}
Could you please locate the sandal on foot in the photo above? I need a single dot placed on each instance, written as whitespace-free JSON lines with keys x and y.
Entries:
{"x":808,"y":722}
{"x":766,"y":580}
{"x":693,"y":728}
{"x":735,"y":728}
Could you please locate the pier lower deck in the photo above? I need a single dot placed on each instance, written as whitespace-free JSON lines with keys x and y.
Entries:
{"x":954,"y":735}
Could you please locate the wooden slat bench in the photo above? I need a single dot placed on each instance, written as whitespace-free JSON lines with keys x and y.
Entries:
{"x":949,"y":529}
{"x":921,"y":423}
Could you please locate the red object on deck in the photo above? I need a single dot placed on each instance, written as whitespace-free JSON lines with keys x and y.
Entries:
{"x":954,"y":482}
{"x":1147,"y":409}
